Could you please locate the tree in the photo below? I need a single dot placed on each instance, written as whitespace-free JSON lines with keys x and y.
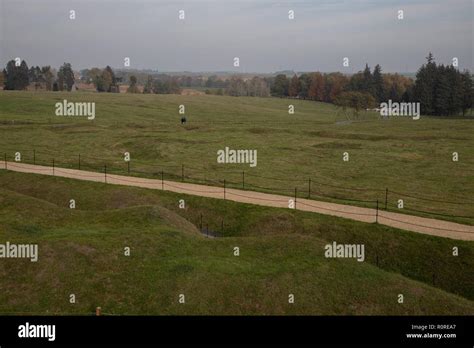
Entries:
{"x":294,"y":87}
{"x":317,"y":87}
{"x":148,"y":88}
{"x":441,"y":92}
{"x":280,"y":86}
{"x":468,"y":92}
{"x":305,"y":82}
{"x":48,"y":77}
{"x":355,"y":100}
{"x":425,"y":85}
{"x":334,"y":85}
{"x":455,"y":101}
{"x":107,"y":79}
{"x":66,"y":77}
{"x":110,"y":80}
{"x":257,"y":87}
{"x":367,"y":81}
{"x":236,"y":87}
{"x":133,"y":85}
{"x":378,"y":84}
{"x":16,"y":77}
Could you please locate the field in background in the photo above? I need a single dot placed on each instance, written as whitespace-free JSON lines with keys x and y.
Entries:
{"x":281,"y":252}
{"x":413,"y":159}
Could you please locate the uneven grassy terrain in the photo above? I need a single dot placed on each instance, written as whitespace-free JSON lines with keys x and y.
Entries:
{"x":281,"y":252}
{"x":413,"y":159}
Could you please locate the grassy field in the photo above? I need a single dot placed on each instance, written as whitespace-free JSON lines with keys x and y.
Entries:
{"x":281,"y":252}
{"x":413,"y":159}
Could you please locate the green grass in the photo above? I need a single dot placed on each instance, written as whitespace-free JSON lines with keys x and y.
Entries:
{"x":282,"y":252}
{"x":406,"y":156}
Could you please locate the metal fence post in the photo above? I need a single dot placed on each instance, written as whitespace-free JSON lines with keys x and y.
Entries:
{"x":377,"y":213}
{"x":295,"y":198}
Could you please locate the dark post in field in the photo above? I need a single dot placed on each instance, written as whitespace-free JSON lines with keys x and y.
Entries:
{"x":295,"y":197}
{"x":386,"y":196}
{"x":377,"y":212}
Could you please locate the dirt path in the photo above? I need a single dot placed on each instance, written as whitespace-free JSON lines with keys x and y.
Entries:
{"x":406,"y":222}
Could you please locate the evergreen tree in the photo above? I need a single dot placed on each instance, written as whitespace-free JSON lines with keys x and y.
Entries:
{"x":16,"y":77}
{"x":456,"y":90}
{"x":378,"y":84}
{"x":442,"y":92}
{"x":468,"y":92}
{"x":425,"y":86}
{"x":367,"y":81}
{"x":66,"y":77}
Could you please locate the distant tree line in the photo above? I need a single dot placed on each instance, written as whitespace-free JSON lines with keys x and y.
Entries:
{"x":104,"y":80}
{"x":440,"y":89}
{"x":20,"y":77}
{"x":162,"y":85}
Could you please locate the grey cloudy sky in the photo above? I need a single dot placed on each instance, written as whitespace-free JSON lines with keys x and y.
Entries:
{"x":258,"y":32}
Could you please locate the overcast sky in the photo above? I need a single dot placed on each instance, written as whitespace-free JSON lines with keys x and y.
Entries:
{"x":258,"y":32}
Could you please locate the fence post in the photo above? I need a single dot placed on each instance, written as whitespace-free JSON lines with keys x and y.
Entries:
{"x":34,"y":156}
{"x":386,"y":195}
{"x":224,"y":189}
{"x":182,"y":173}
{"x":243,"y":180}
{"x":162,"y":182}
{"x":128,"y":167}
{"x":105,"y":173}
{"x":295,"y":198}
{"x":309,"y":188}
{"x":6,"y":161}
{"x":53,"y":166}
{"x":377,"y":213}
{"x":79,"y":161}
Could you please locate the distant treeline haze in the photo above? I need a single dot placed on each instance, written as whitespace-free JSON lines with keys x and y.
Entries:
{"x":440,"y":89}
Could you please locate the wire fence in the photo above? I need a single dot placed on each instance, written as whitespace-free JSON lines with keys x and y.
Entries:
{"x":139,"y":171}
